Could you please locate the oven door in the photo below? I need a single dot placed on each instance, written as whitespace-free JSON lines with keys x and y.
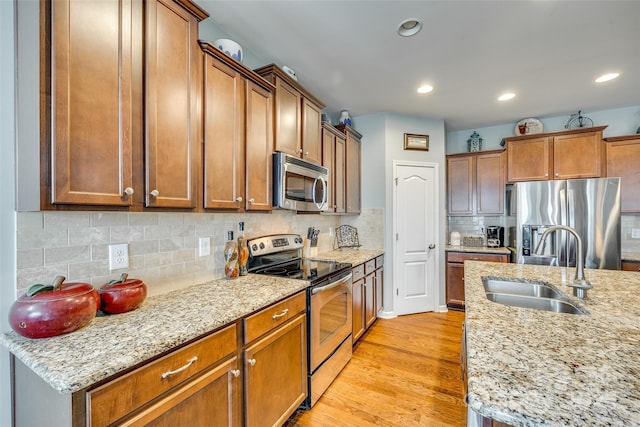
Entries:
{"x":330,"y":318}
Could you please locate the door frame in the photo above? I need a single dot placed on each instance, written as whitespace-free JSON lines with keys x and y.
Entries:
{"x":437,"y":233}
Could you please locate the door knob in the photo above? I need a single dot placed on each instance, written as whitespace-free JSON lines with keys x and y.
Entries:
{"x":238,"y":199}
{"x":155,"y":193}
{"x":432,"y":246}
{"x":128,"y":191}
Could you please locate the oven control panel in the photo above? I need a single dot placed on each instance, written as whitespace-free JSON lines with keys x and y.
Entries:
{"x":275,"y":243}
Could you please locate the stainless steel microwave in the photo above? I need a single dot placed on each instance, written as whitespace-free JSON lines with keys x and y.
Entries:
{"x":299,"y":185}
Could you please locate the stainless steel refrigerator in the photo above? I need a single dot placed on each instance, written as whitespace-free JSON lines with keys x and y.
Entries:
{"x":590,"y":206}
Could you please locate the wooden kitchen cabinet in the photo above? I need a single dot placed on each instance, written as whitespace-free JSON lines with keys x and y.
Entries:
{"x":333,"y":157}
{"x":455,"y":274}
{"x":379,"y":284}
{"x":623,"y":161}
{"x":275,"y":362}
{"x":237,"y":135}
{"x":109,"y":63}
{"x":352,"y":168}
{"x":370,"y":313}
{"x":368,"y":290}
{"x":570,"y":154}
{"x":297,"y":116}
{"x":631,"y":265}
{"x":358,"y":299}
{"x":476,"y":183}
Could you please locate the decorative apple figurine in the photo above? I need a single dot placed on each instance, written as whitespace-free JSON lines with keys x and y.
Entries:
{"x":120,"y":296}
{"x":48,"y":310}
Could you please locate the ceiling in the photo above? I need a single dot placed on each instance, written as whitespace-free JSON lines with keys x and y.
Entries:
{"x":547,"y":52}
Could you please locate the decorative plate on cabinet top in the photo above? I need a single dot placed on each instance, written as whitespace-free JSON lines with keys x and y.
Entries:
{"x":528,"y":127}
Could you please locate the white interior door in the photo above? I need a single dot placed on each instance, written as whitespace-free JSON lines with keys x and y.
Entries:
{"x":416,"y":233}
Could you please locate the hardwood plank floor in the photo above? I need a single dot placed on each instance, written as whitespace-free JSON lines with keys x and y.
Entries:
{"x":404,"y":372}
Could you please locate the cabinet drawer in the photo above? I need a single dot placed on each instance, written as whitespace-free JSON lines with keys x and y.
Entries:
{"x":358,"y":272}
{"x":123,"y":395}
{"x":631,"y":265}
{"x":273,"y":316}
{"x":380,"y":261}
{"x":462,"y":256}
{"x":369,"y":266}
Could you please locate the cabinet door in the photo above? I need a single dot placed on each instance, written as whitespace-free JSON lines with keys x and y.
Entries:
{"x":224,"y":136}
{"x":311,"y":135}
{"x":173,"y":67}
{"x":379,"y":282}
{"x":455,"y":285}
{"x":490,"y":185}
{"x":578,"y":156}
{"x":460,"y":171}
{"x":276,"y":375}
{"x":259,"y":150}
{"x":358,"y":309}
{"x":288,"y":133}
{"x":630,"y":265}
{"x":92,"y":109}
{"x":212,"y":399}
{"x":340,"y":170}
{"x":528,"y":160}
{"x":369,"y":300}
{"x":622,"y":161}
{"x":328,"y":161}
{"x":352,"y":174}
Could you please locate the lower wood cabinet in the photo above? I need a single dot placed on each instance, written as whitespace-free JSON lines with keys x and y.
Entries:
{"x":631,"y":265}
{"x":455,"y":274}
{"x":368,"y":286}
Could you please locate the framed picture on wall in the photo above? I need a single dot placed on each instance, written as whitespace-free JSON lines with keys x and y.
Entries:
{"x":414,"y":141}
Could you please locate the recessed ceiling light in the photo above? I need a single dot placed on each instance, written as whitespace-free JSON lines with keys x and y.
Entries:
{"x":506,"y":96}
{"x":607,"y":77}
{"x":425,"y":89}
{"x":409,"y":27}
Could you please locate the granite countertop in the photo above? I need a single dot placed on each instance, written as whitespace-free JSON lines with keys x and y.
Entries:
{"x":535,"y":368}
{"x":354,"y":256}
{"x":630,"y":256}
{"x":113,"y":343}
{"x":479,"y":249}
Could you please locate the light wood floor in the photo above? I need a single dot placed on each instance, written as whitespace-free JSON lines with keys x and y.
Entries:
{"x":404,"y":372}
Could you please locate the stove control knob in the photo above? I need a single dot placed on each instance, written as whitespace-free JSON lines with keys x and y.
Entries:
{"x":254,"y":247}
{"x":261,"y":245}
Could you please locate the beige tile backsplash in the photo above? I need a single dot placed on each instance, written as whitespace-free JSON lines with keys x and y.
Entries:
{"x":163,"y":247}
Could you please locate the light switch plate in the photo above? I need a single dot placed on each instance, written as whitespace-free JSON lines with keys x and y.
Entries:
{"x":635,"y":233}
{"x":118,"y":256}
{"x":204,"y":248}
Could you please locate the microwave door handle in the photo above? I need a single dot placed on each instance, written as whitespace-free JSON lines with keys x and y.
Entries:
{"x":332,"y":284}
{"x":321,"y":204}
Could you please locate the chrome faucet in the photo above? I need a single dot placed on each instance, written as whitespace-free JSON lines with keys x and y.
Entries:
{"x":580,"y":285}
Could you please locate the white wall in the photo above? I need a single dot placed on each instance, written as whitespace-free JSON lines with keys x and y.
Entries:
{"x":619,"y":121}
{"x":7,"y":199}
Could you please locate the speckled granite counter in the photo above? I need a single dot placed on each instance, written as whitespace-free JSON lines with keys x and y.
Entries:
{"x":479,"y":249}
{"x":630,"y":256}
{"x":110,"y":344}
{"x":353,"y":256}
{"x":536,"y":368}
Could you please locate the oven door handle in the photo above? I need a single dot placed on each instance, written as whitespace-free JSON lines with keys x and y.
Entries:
{"x":332,"y":284}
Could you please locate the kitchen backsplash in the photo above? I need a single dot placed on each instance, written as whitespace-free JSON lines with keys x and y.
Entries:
{"x":163,"y":247}
{"x":627,"y":223}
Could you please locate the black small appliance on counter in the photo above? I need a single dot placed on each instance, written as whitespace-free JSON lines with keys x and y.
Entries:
{"x":495,"y":236}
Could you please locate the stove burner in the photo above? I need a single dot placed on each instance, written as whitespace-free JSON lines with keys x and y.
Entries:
{"x":275,"y":271}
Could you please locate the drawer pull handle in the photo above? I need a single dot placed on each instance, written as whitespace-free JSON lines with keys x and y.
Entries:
{"x":251,"y":362}
{"x":281,"y":314}
{"x":235,"y":372}
{"x":182,"y":368}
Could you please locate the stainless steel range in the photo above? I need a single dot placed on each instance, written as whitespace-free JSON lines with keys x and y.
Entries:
{"x":329,"y":304}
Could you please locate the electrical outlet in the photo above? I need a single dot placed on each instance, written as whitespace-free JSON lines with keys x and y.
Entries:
{"x":204,"y":248}
{"x":635,"y":233}
{"x":118,"y":256}
{"x":330,"y":231}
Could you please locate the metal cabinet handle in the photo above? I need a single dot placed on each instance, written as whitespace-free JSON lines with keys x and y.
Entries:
{"x":251,"y":362}
{"x":251,"y":200}
{"x":128,"y":191}
{"x":299,"y":150}
{"x":235,"y":372}
{"x":182,"y":368}
{"x":238,"y":199}
{"x":306,"y":153}
{"x":280,"y":315}
{"x":557,"y":174}
{"x":155,"y":193}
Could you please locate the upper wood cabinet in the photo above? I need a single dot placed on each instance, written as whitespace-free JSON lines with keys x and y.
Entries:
{"x":297,"y":116}
{"x":623,"y":160}
{"x":237,"y":135}
{"x":476,"y":183}
{"x":333,"y":157}
{"x":109,"y":62}
{"x":352,"y":168}
{"x":570,"y":154}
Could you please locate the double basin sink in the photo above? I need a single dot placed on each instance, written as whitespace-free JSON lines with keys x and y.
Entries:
{"x":529,"y":294}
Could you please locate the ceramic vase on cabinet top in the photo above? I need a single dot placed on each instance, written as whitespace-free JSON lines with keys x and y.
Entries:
{"x":474,"y":143}
{"x":345,"y":119}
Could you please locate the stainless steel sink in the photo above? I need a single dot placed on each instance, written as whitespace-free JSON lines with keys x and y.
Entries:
{"x":529,"y":294}
{"x":539,"y":260}
{"x":520,"y":287}
{"x":546,"y":304}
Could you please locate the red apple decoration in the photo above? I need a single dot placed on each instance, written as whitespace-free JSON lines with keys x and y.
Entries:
{"x":48,"y":310}
{"x":120,"y":296}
